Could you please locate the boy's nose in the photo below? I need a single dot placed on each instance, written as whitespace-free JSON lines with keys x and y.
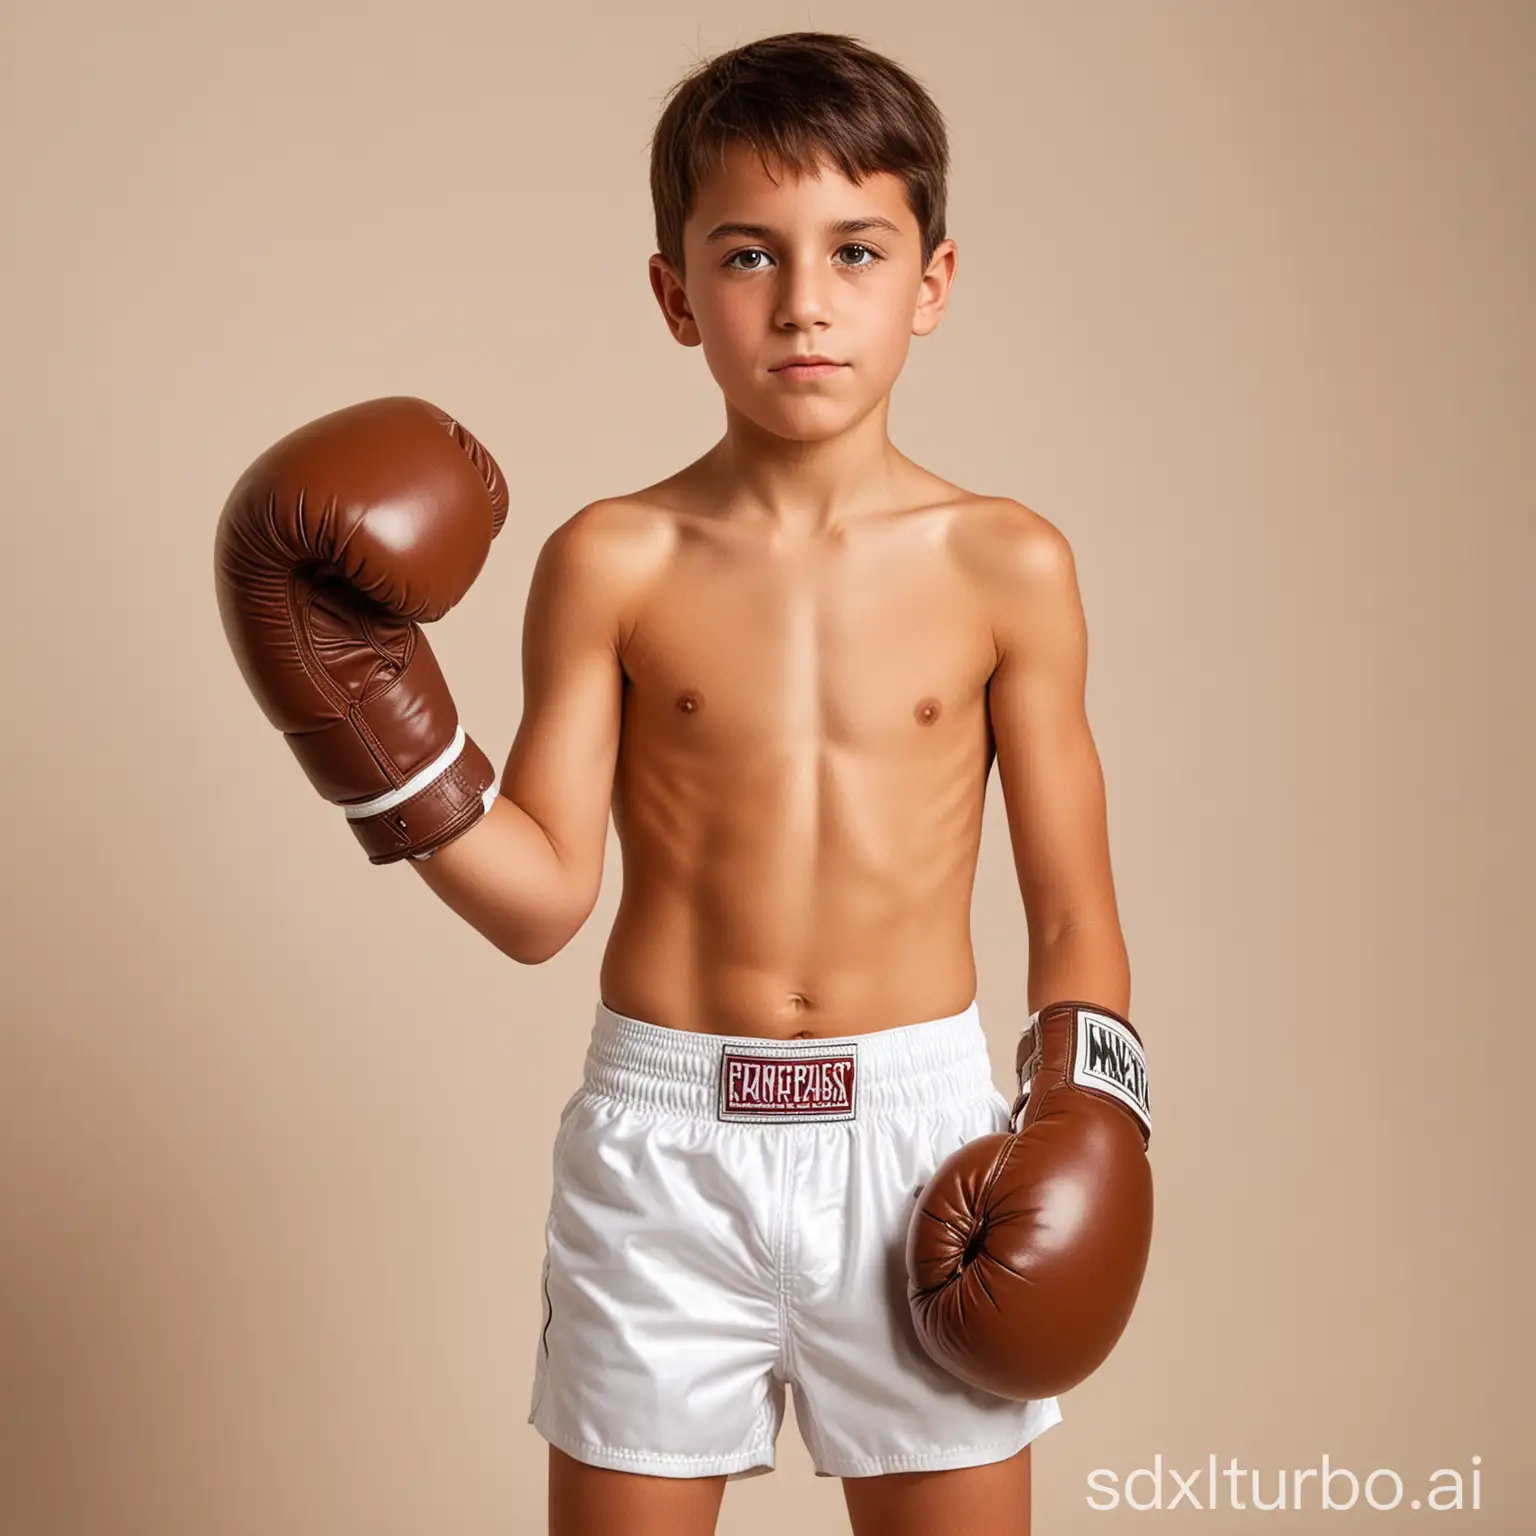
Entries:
{"x":802,"y":297}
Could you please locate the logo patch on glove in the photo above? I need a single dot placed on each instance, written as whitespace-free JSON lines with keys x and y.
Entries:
{"x":787,"y":1082}
{"x":1109,"y":1059}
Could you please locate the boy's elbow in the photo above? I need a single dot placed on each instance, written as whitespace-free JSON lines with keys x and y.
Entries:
{"x":536,"y":945}
{"x":527,"y":953}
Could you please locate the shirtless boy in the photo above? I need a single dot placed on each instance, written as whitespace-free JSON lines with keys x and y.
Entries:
{"x":787,"y":669}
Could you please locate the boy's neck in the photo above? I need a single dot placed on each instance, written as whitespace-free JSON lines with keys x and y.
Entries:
{"x":805,"y":488}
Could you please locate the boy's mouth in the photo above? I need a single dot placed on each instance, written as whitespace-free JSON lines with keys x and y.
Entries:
{"x":812,"y":366}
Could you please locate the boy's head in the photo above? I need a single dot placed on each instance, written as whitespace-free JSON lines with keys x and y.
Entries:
{"x":799,"y":190}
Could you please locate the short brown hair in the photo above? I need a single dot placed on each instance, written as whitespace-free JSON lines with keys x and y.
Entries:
{"x":798,"y":99}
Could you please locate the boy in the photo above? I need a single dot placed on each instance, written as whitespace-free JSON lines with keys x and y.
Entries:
{"x":788,"y":669}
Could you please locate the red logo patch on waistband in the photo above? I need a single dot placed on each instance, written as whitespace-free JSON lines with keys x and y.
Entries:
{"x":771,"y":1082}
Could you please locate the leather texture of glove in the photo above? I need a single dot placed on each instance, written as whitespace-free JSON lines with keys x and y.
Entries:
{"x":1027,"y":1247}
{"x":333,"y":547}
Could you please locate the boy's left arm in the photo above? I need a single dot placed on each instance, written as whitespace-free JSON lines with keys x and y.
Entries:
{"x":1053,"y":785}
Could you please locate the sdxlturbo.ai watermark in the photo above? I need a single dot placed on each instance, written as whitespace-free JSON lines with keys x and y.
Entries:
{"x":1315,"y":1488}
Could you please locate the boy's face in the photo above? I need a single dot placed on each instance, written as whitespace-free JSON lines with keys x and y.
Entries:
{"x":780,"y":269}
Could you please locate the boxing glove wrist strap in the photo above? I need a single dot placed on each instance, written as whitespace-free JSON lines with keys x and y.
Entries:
{"x":488,"y":799}
{"x":1085,"y":1048}
{"x":412,"y":786}
{"x":436,"y":804}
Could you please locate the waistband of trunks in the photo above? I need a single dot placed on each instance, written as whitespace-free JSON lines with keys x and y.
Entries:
{"x":937,"y":1062}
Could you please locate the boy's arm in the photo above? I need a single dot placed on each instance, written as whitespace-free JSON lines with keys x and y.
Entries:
{"x":527,"y":875}
{"x":1052,"y":782}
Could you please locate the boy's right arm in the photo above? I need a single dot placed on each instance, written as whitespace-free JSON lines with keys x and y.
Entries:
{"x":527,"y":874}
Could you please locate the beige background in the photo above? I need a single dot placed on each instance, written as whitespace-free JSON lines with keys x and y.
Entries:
{"x":1245,"y":306}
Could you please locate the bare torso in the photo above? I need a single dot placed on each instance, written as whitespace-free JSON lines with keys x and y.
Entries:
{"x":802,"y":769}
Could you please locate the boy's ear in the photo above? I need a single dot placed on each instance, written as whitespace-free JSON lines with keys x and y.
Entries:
{"x":668,"y":288}
{"x":933,"y":292}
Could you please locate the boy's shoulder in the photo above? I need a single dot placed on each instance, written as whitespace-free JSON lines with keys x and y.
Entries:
{"x":625,"y":528}
{"x":638,"y":520}
{"x":999,"y":537}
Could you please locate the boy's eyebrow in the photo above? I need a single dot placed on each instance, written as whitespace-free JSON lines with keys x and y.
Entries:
{"x":766,"y":231}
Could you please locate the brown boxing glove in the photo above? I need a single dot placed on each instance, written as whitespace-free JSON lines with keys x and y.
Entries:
{"x":1027,"y":1247}
{"x":333,"y":546}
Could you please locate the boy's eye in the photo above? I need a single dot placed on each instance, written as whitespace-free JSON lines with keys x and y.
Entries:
{"x":873,"y":256}
{"x":732,"y":259}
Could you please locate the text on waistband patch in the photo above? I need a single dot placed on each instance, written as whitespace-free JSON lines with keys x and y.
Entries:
{"x":788,"y":1082}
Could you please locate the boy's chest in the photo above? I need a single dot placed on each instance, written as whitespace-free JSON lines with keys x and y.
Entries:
{"x":878,"y":642}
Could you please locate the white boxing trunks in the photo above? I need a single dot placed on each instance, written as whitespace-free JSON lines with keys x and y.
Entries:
{"x":729,"y":1217}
